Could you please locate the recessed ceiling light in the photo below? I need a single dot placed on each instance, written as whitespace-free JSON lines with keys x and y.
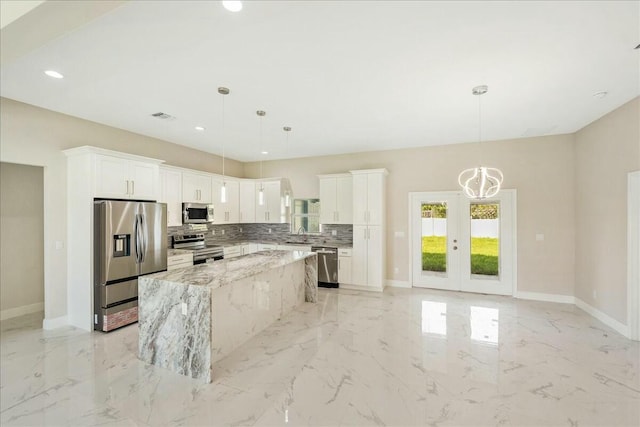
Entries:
{"x":200,"y":128}
{"x":54,"y":74}
{"x":265,"y":152}
{"x":601,"y":94}
{"x":232,"y":6}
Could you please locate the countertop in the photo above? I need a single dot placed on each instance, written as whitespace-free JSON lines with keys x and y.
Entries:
{"x":229,"y":270}
{"x":266,"y":242}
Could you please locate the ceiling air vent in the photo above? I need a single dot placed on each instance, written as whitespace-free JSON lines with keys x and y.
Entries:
{"x":163,"y":116}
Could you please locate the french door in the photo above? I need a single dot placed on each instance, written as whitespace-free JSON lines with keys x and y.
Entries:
{"x":463,"y":245}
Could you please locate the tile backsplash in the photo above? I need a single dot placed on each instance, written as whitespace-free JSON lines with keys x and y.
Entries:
{"x":280,"y":233}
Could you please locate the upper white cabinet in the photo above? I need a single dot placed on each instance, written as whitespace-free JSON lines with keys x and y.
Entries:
{"x":368,"y":196}
{"x":247,"y":201}
{"x":228,"y":212}
{"x":196,"y":187}
{"x":336,"y":199}
{"x":270,"y":206}
{"x":171,"y":194}
{"x":122,"y":178}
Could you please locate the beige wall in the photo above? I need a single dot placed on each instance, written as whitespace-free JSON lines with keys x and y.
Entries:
{"x":35,"y":136}
{"x":21,"y":236}
{"x":605,"y":152}
{"x":540,"y":169}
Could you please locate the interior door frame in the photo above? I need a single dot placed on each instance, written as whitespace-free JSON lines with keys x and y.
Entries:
{"x":514,"y":228}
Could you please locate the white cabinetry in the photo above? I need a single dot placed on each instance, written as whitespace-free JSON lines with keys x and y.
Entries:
{"x":344,"y":266}
{"x":269,"y":207}
{"x":336,"y":199}
{"x":368,"y":197}
{"x":368,"y":256}
{"x":247,"y":201}
{"x":196,"y":187}
{"x":228,"y":212}
{"x":303,"y":248}
{"x":267,"y":246}
{"x":121,"y":178}
{"x":171,"y":194}
{"x":179,"y":261}
{"x":249,"y":248}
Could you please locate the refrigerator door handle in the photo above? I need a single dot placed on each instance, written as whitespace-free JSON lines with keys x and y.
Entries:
{"x":143,"y":239}
{"x":138,"y":232}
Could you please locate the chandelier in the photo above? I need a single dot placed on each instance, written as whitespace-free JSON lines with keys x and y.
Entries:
{"x":480,"y":182}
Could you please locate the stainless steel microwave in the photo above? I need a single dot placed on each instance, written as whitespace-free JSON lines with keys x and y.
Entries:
{"x":196,"y":213}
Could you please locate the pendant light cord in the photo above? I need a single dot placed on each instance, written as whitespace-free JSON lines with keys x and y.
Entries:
{"x":261,"y":150}
{"x":223,"y":141}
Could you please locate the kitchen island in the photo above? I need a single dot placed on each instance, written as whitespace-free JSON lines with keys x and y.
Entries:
{"x":192,"y":317}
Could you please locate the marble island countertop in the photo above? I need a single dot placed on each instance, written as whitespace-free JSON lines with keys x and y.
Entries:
{"x":220,"y":273}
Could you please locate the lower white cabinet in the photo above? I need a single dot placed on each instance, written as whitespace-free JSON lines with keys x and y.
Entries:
{"x":267,"y":246}
{"x":232,"y":251}
{"x":239,"y":250}
{"x":294,"y":248}
{"x":367,"y":261}
{"x":179,"y":261}
{"x":249,"y":248}
{"x":344,"y":266}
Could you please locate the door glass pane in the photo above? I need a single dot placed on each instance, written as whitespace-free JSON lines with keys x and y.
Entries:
{"x":485,"y":239}
{"x":434,"y":237}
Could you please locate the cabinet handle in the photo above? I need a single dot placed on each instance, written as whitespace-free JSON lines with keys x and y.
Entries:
{"x":133,"y":187}
{"x":127,"y":181}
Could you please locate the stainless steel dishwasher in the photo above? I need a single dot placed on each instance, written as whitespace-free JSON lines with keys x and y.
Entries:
{"x":327,"y":266}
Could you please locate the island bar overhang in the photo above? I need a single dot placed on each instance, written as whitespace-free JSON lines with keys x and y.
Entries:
{"x":192,"y":317}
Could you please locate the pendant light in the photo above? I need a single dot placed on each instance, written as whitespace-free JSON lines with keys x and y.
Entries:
{"x":480,"y":182}
{"x":261,"y":114}
{"x":287,"y":194}
{"x":223,"y":190}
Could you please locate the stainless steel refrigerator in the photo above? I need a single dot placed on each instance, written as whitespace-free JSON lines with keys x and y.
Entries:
{"x":130,"y":240}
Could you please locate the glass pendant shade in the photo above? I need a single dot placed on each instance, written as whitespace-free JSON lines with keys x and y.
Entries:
{"x":223,"y":193}
{"x":480,"y":182}
{"x":287,"y":199}
{"x":261,"y":196}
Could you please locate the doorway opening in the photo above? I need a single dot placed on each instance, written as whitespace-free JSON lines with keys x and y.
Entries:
{"x":21,"y":245}
{"x":463,"y":245}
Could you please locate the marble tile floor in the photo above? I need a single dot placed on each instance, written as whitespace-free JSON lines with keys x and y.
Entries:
{"x":406,"y":357}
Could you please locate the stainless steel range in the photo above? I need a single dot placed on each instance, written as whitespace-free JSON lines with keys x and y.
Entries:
{"x":201,"y":251}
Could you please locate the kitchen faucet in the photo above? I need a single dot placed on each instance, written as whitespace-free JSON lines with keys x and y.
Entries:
{"x":301,"y":229}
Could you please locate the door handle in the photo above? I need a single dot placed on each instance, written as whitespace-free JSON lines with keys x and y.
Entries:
{"x":127,"y":181}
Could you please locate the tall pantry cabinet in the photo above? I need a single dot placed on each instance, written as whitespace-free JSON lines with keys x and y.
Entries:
{"x":369,"y":236}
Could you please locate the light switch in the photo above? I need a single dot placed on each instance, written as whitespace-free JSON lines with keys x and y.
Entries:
{"x":539,"y":237}
{"x":334,"y":232}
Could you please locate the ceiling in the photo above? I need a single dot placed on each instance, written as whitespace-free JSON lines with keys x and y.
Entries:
{"x":347,"y":76}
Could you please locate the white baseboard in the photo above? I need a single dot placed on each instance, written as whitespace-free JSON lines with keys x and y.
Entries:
{"x":604,"y":318}
{"x":537,"y":296}
{"x":56,"y":322}
{"x":360,"y":288}
{"x":398,"y":283}
{"x":22,"y":310}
